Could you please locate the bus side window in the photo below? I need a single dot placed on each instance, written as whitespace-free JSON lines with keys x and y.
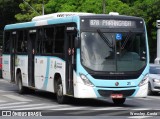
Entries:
{"x":7,"y":39}
{"x":48,"y":39}
{"x":25,"y":39}
{"x":39,"y":41}
{"x":22,"y":42}
{"x":59,"y":39}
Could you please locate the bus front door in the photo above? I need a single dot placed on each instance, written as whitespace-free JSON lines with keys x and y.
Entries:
{"x":31,"y":47}
{"x":70,"y":60}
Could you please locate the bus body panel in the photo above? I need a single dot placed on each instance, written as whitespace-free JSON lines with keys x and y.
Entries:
{"x":6,"y":67}
{"x":45,"y":69}
{"x":21,"y":63}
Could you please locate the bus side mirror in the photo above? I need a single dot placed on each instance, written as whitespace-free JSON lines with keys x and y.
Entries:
{"x":77,"y":42}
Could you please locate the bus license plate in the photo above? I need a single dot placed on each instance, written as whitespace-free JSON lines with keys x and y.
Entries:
{"x":116,"y":95}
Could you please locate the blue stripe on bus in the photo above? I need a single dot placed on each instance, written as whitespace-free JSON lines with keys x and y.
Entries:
{"x":51,"y":21}
{"x":47,"y":74}
{"x":47,"y":69}
{"x":20,"y":25}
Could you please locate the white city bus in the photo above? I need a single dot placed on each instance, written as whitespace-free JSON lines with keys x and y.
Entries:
{"x":81,"y":55}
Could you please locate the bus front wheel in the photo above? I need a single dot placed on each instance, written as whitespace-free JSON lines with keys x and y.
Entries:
{"x":119,"y":101}
{"x":61,"y":99}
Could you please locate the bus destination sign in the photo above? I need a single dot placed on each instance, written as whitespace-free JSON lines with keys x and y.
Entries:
{"x":112,"y":23}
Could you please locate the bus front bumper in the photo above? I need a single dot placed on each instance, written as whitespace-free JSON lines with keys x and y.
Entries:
{"x":84,"y":91}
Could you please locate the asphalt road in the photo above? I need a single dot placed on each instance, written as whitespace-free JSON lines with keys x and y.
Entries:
{"x":44,"y":103}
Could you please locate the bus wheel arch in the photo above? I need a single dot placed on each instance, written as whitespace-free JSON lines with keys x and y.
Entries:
{"x":58,"y":89}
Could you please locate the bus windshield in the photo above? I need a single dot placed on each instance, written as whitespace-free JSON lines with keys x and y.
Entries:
{"x":113,"y":51}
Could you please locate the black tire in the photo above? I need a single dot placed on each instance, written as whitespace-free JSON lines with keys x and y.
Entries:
{"x":21,"y":88}
{"x":61,"y":99}
{"x":155,"y":93}
{"x":119,"y":101}
{"x":150,"y":92}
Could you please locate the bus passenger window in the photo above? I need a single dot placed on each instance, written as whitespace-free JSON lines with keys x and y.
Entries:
{"x":48,"y":40}
{"x":59,"y":39}
{"x":24,"y":48}
{"x":39,"y":41}
{"x":22,"y":42}
{"x":7,"y":42}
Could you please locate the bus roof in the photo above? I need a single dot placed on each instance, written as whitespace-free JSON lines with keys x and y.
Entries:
{"x":41,"y":23}
{"x":59,"y":15}
{"x":47,"y":20}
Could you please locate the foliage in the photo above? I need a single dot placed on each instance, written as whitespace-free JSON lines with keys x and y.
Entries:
{"x":149,"y":10}
{"x":8,"y":9}
{"x":29,"y":9}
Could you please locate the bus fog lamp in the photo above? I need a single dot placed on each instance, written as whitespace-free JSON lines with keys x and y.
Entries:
{"x":144,"y":80}
{"x":85,"y":80}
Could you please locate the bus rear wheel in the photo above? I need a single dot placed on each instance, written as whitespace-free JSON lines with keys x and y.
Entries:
{"x":61,"y":99}
{"x":119,"y":101}
{"x":21,"y":88}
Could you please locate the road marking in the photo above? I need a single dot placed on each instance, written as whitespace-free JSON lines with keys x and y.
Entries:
{"x":43,"y":107}
{"x":9,"y":104}
{"x":1,"y":101}
{"x":3,"y":91}
{"x":18,"y":98}
{"x":139,"y":117}
{"x":114,"y":113}
{"x":70,"y":108}
{"x":94,"y":110}
{"x":19,"y":106}
{"x":141,"y":109}
{"x":108,"y":108}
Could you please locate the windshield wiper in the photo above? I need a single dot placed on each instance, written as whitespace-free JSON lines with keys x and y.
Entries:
{"x":126,"y":40}
{"x":105,"y":39}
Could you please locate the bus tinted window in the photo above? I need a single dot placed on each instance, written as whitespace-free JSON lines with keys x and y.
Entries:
{"x":7,"y":42}
{"x":22,"y":42}
{"x":48,"y":40}
{"x":39,"y":41}
{"x":59,"y":39}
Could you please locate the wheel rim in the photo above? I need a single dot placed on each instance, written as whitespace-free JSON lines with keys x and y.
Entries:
{"x":59,"y":91}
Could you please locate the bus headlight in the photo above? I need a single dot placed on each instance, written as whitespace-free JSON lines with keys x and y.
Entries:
{"x":156,"y":80}
{"x":85,"y":80}
{"x":144,"y":80}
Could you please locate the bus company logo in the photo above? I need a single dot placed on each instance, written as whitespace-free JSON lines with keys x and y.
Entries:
{"x":57,"y":65}
{"x":117,"y":84}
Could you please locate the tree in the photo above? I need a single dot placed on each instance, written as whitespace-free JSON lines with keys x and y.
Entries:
{"x":8,"y":9}
{"x":148,"y":9}
{"x":30,"y":9}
